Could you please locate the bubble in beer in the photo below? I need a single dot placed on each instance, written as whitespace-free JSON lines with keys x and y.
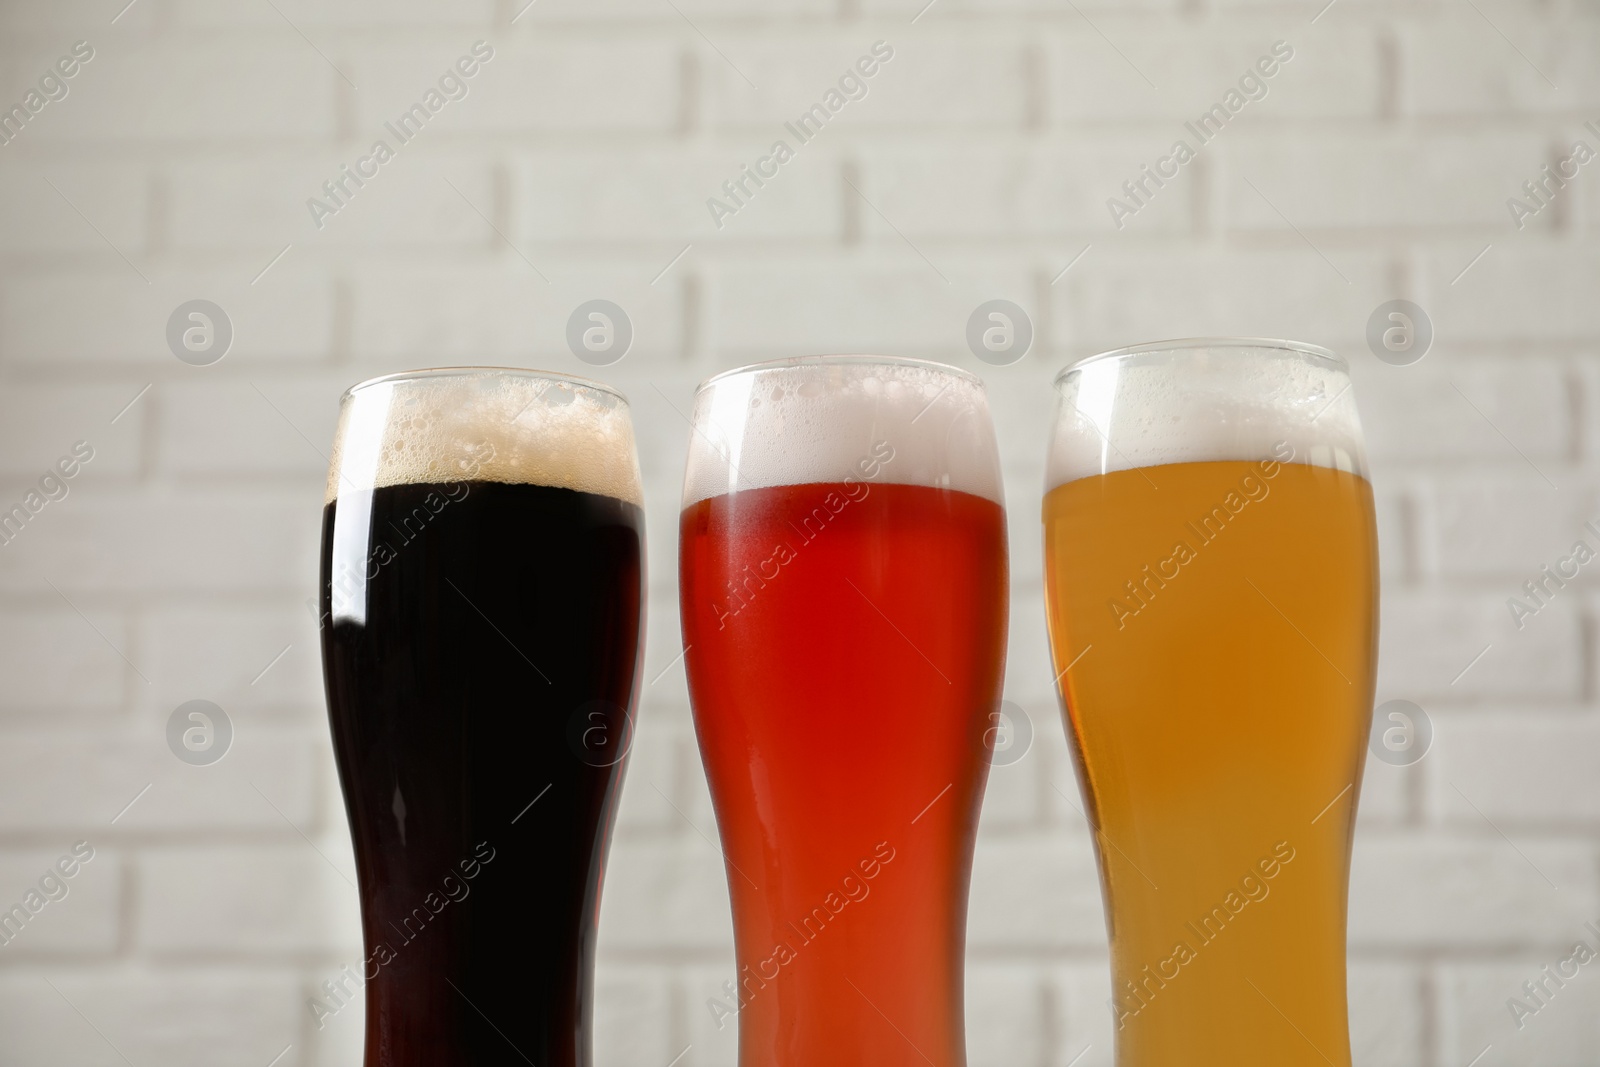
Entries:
{"x":1008,"y":734}
{"x":600,"y":733}
{"x":199,"y":732}
{"x":1402,"y":733}
{"x":1399,"y":332}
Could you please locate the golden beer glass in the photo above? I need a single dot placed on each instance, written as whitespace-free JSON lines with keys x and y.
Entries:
{"x":1211,"y":585}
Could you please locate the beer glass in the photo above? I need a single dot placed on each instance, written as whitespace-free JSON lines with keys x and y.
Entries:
{"x":843,"y":592}
{"x":482,"y":588}
{"x":1211,"y":584}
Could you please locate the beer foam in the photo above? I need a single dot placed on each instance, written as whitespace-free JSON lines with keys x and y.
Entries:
{"x":826,"y":418}
{"x":488,"y":425}
{"x":1193,"y":401}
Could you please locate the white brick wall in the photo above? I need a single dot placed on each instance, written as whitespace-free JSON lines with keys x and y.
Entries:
{"x":179,"y":566}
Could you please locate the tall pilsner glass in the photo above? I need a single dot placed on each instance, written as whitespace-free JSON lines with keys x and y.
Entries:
{"x":1211,"y":575}
{"x":843,"y":590}
{"x":482,"y":593}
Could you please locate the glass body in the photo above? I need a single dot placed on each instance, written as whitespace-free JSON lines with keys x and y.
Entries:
{"x":482,"y":588}
{"x":1211,"y":582}
{"x":843,"y":583}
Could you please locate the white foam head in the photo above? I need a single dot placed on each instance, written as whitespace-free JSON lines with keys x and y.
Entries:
{"x":1204,"y":399}
{"x":485,"y":424}
{"x":819,"y":418}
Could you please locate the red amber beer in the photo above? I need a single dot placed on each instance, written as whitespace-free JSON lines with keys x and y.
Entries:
{"x":843,"y":584}
{"x":1211,"y":583}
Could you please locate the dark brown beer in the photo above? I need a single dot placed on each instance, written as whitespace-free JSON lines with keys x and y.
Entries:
{"x":481,"y":643}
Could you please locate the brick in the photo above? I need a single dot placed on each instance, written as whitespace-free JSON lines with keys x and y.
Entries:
{"x":54,"y":662}
{"x":900,"y":306}
{"x":1520,"y":290}
{"x":343,"y":15}
{"x":635,"y":196}
{"x":666,"y":894}
{"x":1509,"y":525}
{"x":661,"y":396}
{"x":1009,"y":193}
{"x":1482,"y":763}
{"x":1033,"y":891}
{"x":72,"y":783}
{"x":1015,"y":796}
{"x":83,"y":922}
{"x":109,"y":316}
{"x":1333,"y":181}
{"x":1414,"y":891}
{"x":1119,"y":294}
{"x":424,"y":317}
{"x":976,"y":83}
{"x":183,"y":1017}
{"x":275,"y":86}
{"x":713,"y":1045}
{"x":222,"y":539}
{"x":264,"y":203}
{"x":231,"y":428}
{"x":573,"y":87}
{"x":1005,"y":1011}
{"x":1419,"y":412}
{"x":1083,"y":994}
{"x":39,"y":424}
{"x":56,"y":28}
{"x":1428,"y":642}
{"x":663,"y":752}
{"x":1386,"y":790}
{"x":560,"y":12}
{"x":1386,"y":1015}
{"x":38,"y":221}
{"x":1459,"y":65}
{"x":1473,"y":1011}
{"x":342,"y":1038}
{"x":268,"y":901}
{"x":1391,"y":507}
{"x":956,"y":13}
{"x":633,"y":1016}
{"x":254,"y":661}
{"x":1334,"y":73}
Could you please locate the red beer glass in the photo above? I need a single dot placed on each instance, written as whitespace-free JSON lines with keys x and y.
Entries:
{"x":843,"y":585}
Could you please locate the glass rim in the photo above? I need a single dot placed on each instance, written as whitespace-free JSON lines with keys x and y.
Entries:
{"x":841,"y":360}
{"x":484,"y":371}
{"x":1180,"y":344}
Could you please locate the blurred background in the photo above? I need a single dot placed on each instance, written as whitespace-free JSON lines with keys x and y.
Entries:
{"x":198,"y":151}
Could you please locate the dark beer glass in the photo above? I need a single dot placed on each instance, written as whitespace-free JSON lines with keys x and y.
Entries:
{"x":482,"y":585}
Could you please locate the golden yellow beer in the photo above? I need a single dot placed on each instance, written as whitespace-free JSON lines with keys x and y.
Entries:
{"x":1215,"y":623}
